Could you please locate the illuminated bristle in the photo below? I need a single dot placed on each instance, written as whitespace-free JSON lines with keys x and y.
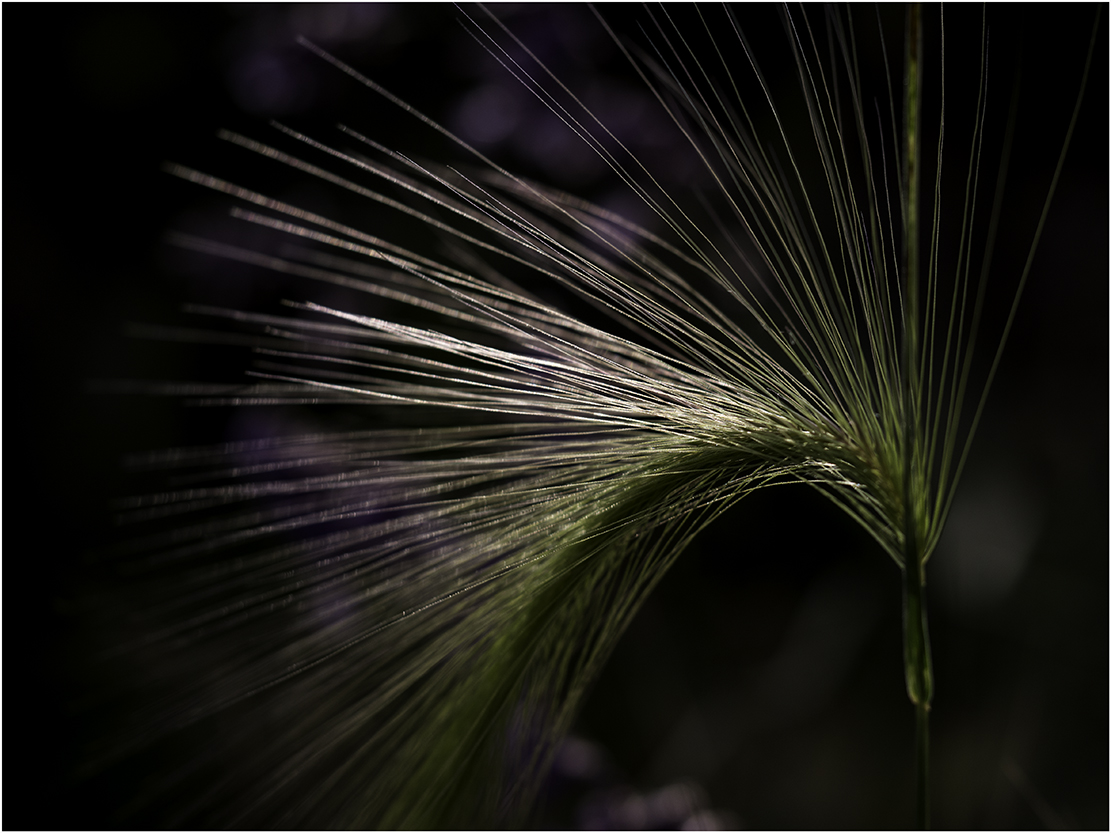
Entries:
{"x":394,"y":628}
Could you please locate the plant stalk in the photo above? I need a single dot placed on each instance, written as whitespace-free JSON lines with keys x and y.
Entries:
{"x":919,"y":679}
{"x":916,"y":643}
{"x":922,"y":752}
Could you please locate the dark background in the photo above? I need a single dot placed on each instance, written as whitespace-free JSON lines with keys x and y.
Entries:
{"x":766,"y":669}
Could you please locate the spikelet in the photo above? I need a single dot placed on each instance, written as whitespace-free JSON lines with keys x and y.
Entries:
{"x":393,"y":628}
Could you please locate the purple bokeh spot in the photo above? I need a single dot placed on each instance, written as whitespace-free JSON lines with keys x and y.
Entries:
{"x":488,"y":115}
{"x":270,"y":83}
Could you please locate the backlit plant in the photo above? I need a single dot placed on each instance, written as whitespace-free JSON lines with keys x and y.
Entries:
{"x":394,"y":627}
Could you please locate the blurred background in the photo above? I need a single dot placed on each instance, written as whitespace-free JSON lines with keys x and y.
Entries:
{"x":761,"y":685}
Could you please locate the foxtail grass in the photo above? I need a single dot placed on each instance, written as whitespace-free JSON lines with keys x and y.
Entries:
{"x":394,"y":627}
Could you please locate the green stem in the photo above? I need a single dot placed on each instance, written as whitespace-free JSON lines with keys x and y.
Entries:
{"x":912,"y":175}
{"x":922,"y":745}
{"x":916,"y":643}
{"x":919,"y":679}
